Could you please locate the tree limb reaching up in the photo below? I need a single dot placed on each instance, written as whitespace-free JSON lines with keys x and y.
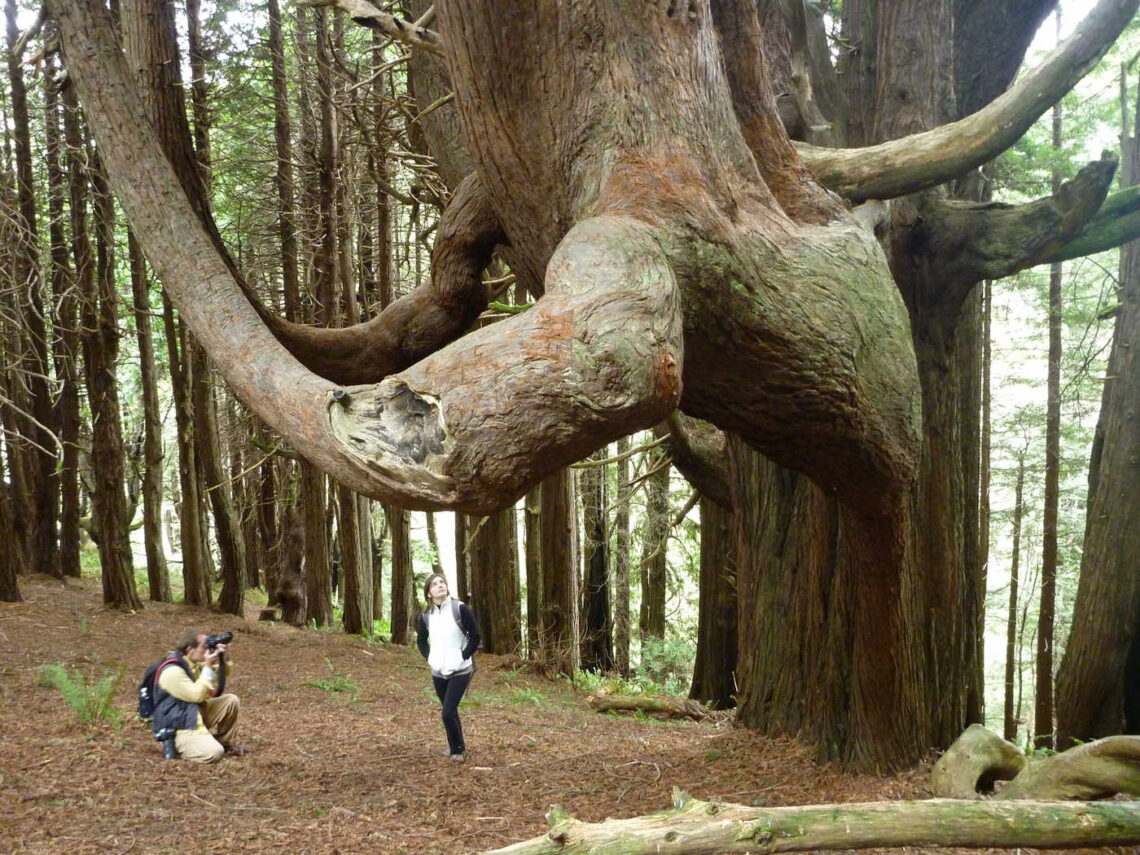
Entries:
{"x":919,"y":161}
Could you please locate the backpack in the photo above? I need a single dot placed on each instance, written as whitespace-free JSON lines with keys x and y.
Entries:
{"x":147,"y":687}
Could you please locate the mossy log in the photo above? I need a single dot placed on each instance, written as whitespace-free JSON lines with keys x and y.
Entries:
{"x":650,"y":705}
{"x":696,"y":827}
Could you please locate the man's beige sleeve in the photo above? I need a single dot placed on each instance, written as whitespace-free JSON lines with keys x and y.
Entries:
{"x":176,"y":681}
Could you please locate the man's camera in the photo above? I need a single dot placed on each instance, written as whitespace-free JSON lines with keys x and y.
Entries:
{"x":212,"y":641}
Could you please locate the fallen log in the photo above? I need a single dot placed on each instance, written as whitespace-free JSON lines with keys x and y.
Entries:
{"x":695,"y":827}
{"x":658,"y":707}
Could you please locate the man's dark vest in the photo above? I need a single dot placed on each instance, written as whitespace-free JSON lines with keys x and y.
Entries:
{"x":169,"y":712}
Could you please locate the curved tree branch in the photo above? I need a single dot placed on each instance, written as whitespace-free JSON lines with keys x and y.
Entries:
{"x":1115,"y":223}
{"x":472,"y":426}
{"x":698,"y":451}
{"x":420,"y":322}
{"x":973,"y":241}
{"x":920,"y":161}
{"x":1094,"y":770}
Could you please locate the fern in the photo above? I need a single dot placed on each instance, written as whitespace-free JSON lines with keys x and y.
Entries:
{"x":93,"y":701}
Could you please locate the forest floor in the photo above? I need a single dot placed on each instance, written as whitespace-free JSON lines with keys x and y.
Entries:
{"x":345,"y":771}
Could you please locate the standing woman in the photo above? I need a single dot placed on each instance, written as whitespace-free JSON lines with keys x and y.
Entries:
{"x":447,"y":636}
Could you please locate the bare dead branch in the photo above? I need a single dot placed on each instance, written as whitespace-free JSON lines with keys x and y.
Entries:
{"x":397,"y":29}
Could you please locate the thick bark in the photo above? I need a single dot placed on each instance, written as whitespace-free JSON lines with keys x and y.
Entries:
{"x":494,"y":581}
{"x":695,"y":827}
{"x":318,"y":560}
{"x":558,"y":634}
{"x":355,"y":563}
{"x":1099,"y":673}
{"x":714,"y":674}
{"x":150,"y":46}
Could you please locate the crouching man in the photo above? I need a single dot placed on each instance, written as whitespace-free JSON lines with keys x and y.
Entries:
{"x":188,"y":704}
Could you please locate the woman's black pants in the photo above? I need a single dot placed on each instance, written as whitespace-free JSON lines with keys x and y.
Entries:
{"x":451,"y":690}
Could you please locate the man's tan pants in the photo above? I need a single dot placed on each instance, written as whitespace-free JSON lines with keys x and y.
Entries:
{"x":220,"y":715}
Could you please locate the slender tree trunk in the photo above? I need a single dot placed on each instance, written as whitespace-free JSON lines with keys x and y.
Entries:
{"x":268,"y":529}
{"x":43,"y":482}
{"x":1012,"y":666}
{"x":150,"y":44}
{"x":621,"y":562}
{"x":158,"y":575}
{"x":9,"y":562}
{"x":1043,"y":725}
{"x":231,"y":547}
{"x":654,"y":552}
{"x":714,"y":682}
{"x":493,"y":547}
{"x":356,"y":578}
{"x":404,"y":599}
{"x":283,"y":177}
{"x":195,"y":576}
{"x":108,"y":460}
{"x":66,"y":340}
{"x":379,"y":534}
{"x":987,"y":307}
{"x":462,"y":557}
{"x":433,"y":542}
{"x":532,"y":530}
{"x":318,"y":565}
{"x":559,"y":608}
{"x":597,"y":638}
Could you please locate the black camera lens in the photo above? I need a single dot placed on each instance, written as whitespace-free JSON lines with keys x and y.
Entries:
{"x":213,"y":641}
